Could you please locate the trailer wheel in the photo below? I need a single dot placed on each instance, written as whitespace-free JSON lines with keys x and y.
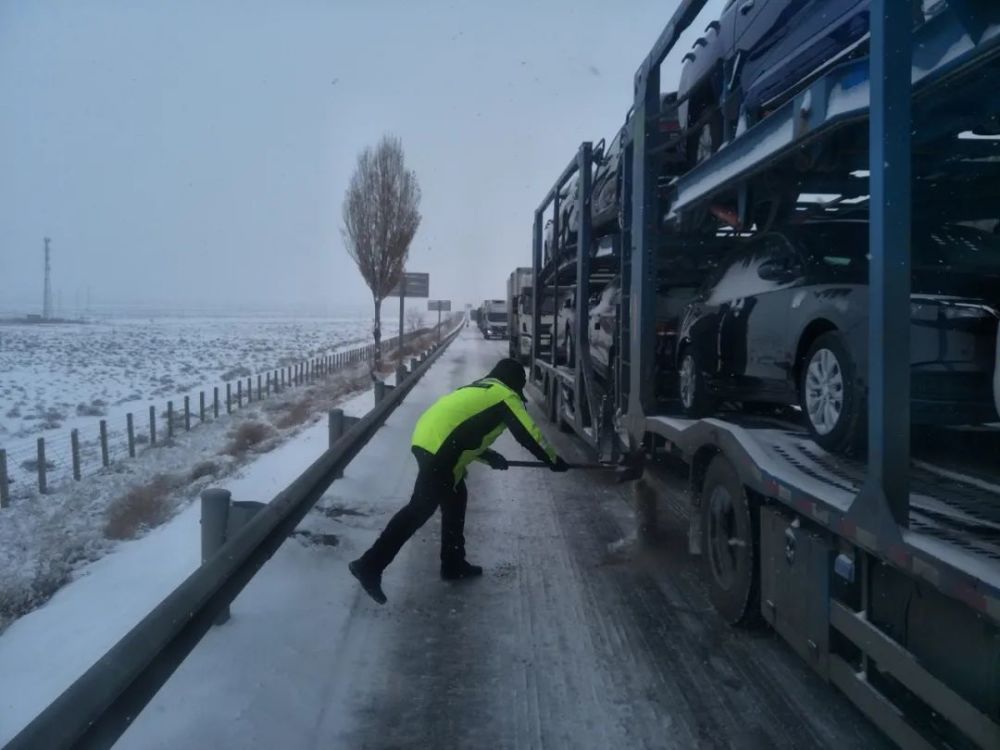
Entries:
{"x":729,"y":543}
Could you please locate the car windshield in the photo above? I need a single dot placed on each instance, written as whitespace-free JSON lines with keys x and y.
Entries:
{"x":955,"y":248}
{"x":497,"y":317}
{"x":835,"y":245}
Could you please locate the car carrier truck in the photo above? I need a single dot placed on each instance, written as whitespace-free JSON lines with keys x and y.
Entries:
{"x":520,"y":322}
{"x":879,"y":565}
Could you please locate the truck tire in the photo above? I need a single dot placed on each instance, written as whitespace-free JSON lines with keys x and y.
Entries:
{"x":729,"y":544}
{"x":832,"y":403}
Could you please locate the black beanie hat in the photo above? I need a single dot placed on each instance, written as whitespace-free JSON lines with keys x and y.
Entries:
{"x":511,"y":374}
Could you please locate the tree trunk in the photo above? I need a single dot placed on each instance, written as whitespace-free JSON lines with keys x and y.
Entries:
{"x":377,"y":332}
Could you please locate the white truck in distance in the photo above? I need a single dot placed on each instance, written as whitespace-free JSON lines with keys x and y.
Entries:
{"x":493,"y":319}
{"x":521,"y":323}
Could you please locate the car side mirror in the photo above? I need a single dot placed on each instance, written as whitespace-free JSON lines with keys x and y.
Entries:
{"x":778,"y":272}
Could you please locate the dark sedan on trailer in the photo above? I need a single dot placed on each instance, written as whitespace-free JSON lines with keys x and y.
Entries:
{"x":784,"y":320}
{"x":758,"y":54}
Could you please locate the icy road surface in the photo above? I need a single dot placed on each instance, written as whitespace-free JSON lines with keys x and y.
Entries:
{"x":577,"y":636}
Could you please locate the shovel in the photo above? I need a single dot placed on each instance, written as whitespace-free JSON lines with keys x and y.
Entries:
{"x":625,"y":473}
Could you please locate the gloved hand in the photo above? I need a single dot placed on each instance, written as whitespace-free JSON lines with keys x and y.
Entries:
{"x":496,"y":461}
{"x":559,"y":465}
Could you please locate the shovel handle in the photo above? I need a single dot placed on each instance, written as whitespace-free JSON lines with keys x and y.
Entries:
{"x":543,"y":465}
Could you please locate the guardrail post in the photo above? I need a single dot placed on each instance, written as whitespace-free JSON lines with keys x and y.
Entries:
{"x":74,"y":448}
{"x":229,"y":398}
{"x":201,"y":406}
{"x":239,"y":393}
{"x":105,"y":455}
{"x":187,"y":413}
{"x":152,"y":425}
{"x":42,"y":483}
{"x":215,"y":401}
{"x":130,"y":430}
{"x":170,"y":419}
{"x":4,"y":482}
{"x":260,"y":389}
{"x":401,"y":373}
{"x":249,"y":390}
{"x":214,"y":518}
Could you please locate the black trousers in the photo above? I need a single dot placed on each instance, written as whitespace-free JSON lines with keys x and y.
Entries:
{"x":435,"y":486}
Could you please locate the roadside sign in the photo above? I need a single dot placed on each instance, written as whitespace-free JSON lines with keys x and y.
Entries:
{"x":415,"y":285}
{"x":442,"y":305}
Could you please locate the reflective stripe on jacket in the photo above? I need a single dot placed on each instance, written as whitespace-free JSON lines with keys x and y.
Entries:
{"x":459,"y":427}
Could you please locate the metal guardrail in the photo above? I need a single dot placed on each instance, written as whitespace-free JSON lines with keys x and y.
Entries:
{"x":96,"y":710}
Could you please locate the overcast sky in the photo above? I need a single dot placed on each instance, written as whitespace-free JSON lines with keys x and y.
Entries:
{"x":194,"y":154}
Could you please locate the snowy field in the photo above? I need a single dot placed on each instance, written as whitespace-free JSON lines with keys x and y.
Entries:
{"x":61,"y":377}
{"x":45,"y":540}
{"x":48,"y":648}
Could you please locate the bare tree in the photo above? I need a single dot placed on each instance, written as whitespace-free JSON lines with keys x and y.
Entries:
{"x":381,"y":215}
{"x":414,"y":319}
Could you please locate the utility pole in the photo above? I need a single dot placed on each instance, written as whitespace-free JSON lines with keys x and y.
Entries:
{"x":47,"y":300}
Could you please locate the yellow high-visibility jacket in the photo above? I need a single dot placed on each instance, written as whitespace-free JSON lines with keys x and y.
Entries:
{"x":458,"y":428}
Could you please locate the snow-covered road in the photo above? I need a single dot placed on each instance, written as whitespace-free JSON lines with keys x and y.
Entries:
{"x":579,"y":635}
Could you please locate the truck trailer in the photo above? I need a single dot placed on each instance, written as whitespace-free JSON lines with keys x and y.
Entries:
{"x":879,"y":564}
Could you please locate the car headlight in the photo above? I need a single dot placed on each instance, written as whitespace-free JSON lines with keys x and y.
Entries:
{"x":930,"y":310}
{"x":954,"y":312}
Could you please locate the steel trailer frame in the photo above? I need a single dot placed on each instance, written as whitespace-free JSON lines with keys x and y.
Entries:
{"x":581,"y":414}
{"x":871,"y":513}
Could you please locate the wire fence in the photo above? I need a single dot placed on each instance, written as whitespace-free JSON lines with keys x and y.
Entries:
{"x":56,"y":458}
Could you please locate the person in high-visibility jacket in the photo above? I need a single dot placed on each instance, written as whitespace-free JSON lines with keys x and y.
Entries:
{"x":456,"y":430}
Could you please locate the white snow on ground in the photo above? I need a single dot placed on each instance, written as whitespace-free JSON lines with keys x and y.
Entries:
{"x":56,"y":378}
{"x":44,"y":539}
{"x":44,"y":651}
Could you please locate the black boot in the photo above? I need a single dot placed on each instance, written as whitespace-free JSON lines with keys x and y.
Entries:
{"x":370,"y":580}
{"x":460,"y":570}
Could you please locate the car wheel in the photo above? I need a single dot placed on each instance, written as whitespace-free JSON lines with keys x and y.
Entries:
{"x":829,"y":396}
{"x":706,"y":140}
{"x":691,"y":387}
{"x":729,"y":544}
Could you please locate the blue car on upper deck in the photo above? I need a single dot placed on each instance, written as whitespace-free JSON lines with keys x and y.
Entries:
{"x":759,"y":53}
